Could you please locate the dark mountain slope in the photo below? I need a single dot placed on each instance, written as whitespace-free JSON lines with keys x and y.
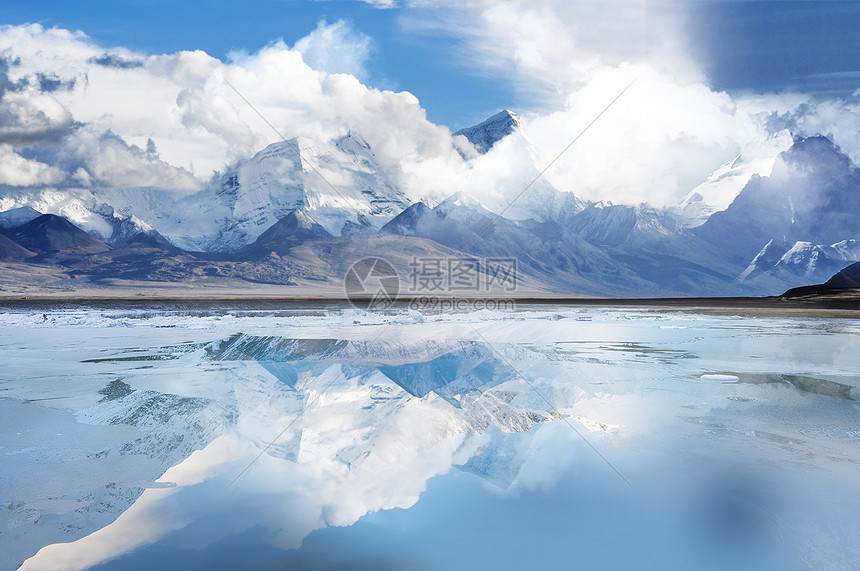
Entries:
{"x":812,"y":195}
{"x":51,"y":234}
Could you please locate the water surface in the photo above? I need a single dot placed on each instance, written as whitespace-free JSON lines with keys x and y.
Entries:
{"x":318,"y":437}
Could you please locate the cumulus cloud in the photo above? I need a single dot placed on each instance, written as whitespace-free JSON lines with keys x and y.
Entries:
{"x":336,"y":48}
{"x":658,"y":140}
{"x":568,"y":60}
{"x":106,"y":160}
{"x":28,"y":113}
{"x":664,"y":136}
{"x":546,"y":49}
{"x":29,"y":116}
{"x":16,"y":170}
{"x":189,"y":104}
{"x":838,"y":118}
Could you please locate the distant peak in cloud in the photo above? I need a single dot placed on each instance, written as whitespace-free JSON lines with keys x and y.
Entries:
{"x":487,"y":133}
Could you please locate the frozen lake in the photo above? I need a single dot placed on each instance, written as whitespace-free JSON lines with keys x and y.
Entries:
{"x":306,"y":437}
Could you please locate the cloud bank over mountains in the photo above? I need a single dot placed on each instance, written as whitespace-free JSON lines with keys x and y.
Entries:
{"x":74,"y":113}
{"x":77,"y":113}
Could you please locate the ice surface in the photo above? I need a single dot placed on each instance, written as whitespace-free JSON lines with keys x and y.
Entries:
{"x":308,"y":437}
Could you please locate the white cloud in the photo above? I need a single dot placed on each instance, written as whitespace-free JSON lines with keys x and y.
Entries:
{"x":662,"y":138}
{"x":336,"y":48}
{"x":838,"y":119}
{"x":108,"y":161}
{"x":546,"y":49}
{"x":183,"y":103}
{"x":568,"y":60}
{"x":382,"y":3}
{"x":29,"y":116}
{"x":16,"y":170}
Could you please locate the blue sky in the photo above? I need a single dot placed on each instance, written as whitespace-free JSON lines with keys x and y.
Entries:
{"x":740,"y":45}
{"x":811,"y":46}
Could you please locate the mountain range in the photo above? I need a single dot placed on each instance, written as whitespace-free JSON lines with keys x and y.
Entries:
{"x":299,"y":213}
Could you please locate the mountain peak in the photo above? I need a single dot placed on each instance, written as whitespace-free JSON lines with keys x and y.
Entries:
{"x":505,"y":115}
{"x":18,"y":216}
{"x":817,"y":150}
{"x":339,"y":183}
{"x":300,"y":220}
{"x":407,"y":221}
{"x":489,"y":132}
{"x":298,"y":224}
{"x":50,"y":233}
{"x":459,"y":199}
{"x":726,"y":183}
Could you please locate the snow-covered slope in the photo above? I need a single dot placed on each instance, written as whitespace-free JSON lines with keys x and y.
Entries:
{"x":617,"y":224}
{"x":796,"y":226}
{"x":18,"y":216}
{"x":340,"y":185}
{"x":507,"y":177}
{"x":487,"y":133}
{"x":102,"y":213}
{"x":292,"y":210}
{"x":809,"y":260}
{"x":803,"y":261}
{"x":721,"y":188}
{"x":812,"y":195}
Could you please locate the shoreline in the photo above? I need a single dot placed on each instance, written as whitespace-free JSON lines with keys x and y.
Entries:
{"x":848,"y":306}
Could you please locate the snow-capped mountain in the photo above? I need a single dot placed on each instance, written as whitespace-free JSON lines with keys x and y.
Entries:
{"x":300,"y":212}
{"x":802,"y":262}
{"x":555,"y":254}
{"x":809,"y":260}
{"x":104,"y":213}
{"x":17,"y":216}
{"x":847,"y":249}
{"x":487,"y":133}
{"x":812,"y":195}
{"x":797,"y":225}
{"x":617,"y":224}
{"x":507,"y":173}
{"x":723,"y":186}
{"x":340,"y":185}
